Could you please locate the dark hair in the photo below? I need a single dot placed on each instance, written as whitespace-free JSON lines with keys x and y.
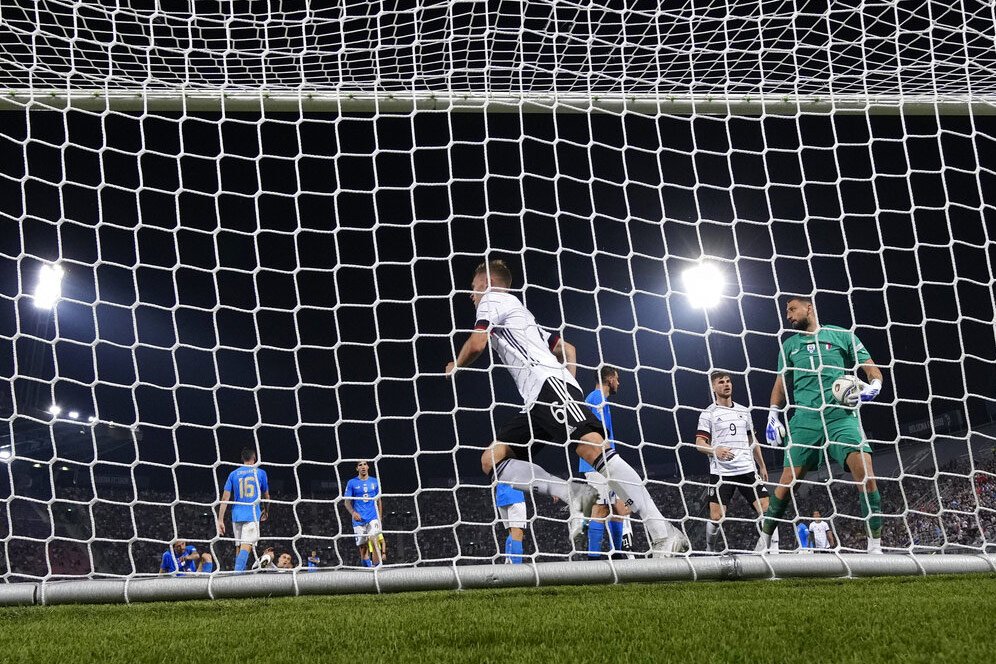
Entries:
{"x":805,"y":299}
{"x":607,"y":372}
{"x":248,"y":454}
{"x":498,"y":271}
{"x":719,"y":373}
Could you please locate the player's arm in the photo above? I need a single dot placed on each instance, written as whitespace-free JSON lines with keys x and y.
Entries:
{"x":264,"y":506}
{"x":873,"y":374}
{"x":355,"y":516}
{"x":774,"y":431}
{"x":471,"y":350}
{"x":720,"y":452}
{"x":225,"y":498}
{"x":568,"y":356}
{"x":762,"y":468}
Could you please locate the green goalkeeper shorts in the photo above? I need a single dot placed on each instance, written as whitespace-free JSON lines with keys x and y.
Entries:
{"x":808,"y":439}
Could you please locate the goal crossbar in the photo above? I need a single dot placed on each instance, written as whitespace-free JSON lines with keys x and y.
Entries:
{"x":262,"y":100}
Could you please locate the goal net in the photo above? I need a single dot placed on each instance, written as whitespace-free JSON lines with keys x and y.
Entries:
{"x":247,"y":224}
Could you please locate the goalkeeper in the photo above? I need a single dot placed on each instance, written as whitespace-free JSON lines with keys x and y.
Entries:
{"x":808,"y":365}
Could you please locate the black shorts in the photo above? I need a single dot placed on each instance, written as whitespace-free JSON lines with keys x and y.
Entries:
{"x":558,"y":415}
{"x":724,"y":486}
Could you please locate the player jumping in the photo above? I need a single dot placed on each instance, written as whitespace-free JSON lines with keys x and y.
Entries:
{"x":808,"y":364}
{"x":726,"y":435}
{"x":543,"y":367}
{"x":248,"y":491}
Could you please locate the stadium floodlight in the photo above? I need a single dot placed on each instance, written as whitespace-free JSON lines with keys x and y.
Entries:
{"x":74,"y":414}
{"x":5,"y":453}
{"x":703,"y":285}
{"x":49,"y":288}
{"x":55,"y":410}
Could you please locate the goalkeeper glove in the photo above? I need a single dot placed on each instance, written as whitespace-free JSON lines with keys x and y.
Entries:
{"x":774,"y":432}
{"x":869,"y":391}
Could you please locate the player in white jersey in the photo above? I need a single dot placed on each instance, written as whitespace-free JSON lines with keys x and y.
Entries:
{"x":820,"y":534}
{"x":543,"y":366}
{"x":726,"y":435}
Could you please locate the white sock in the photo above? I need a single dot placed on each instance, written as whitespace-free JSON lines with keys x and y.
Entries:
{"x":526,"y":476}
{"x":773,"y":548}
{"x":627,"y":483}
{"x":712,"y":533}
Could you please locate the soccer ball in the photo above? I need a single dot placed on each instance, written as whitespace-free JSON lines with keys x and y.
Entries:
{"x":844,"y":387}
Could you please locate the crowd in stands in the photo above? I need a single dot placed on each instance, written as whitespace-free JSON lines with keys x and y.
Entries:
{"x":115,"y":531}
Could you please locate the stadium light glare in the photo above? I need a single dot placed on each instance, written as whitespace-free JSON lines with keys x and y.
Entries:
{"x":49,"y":288}
{"x":55,"y":410}
{"x":74,"y":414}
{"x":703,"y":285}
{"x":5,"y":453}
{"x":91,"y":419}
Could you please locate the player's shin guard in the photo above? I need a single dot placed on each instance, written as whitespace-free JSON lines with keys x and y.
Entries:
{"x":616,"y":534}
{"x":871,"y":511}
{"x":628,"y":484}
{"x":241,"y":560}
{"x":776,"y":508}
{"x":207,"y":567}
{"x":526,"y":476}
{"x":513,"y":550}
{"x":596,"y":531}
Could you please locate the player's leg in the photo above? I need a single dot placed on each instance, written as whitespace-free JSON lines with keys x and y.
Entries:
{"x":804,"y":453}
{"x":373,"y":543}
{"x":599,"y":513}
{"x":596,"y":528}
{"x":716,"y":514}
{"x":246,"y":535}
{"x":513,"y":517}
{"x":757,"y":494}
{"x":860,"y":465}
{"x":627,"y":483}
{"x":362,"y":547}
{"x":617,"y":526}
{"x":206,"y":563}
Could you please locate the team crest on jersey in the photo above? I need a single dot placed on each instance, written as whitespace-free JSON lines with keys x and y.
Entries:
{"x":811,"y":348}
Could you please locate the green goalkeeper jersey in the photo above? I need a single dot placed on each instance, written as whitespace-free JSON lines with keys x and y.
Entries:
{"x":810,"y":363}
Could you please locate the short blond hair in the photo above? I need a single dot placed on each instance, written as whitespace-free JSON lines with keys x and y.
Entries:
{"x":497,"y":270}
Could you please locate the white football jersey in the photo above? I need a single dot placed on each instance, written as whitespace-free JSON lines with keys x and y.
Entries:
{"x":818,"y":534}
{"x":523,"y":347}
{"x":728,"y":427}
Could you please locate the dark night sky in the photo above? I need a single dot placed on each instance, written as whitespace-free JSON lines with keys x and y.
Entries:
{"x":296,"y":281}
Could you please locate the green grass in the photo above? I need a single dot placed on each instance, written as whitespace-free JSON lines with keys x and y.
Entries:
{"x":867,"y":621}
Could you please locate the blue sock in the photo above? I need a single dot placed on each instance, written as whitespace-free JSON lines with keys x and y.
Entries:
{"x":513,"y":549}
{"x":596,"y":531}
{"x":241,"y":560}
{"x":367,"y":562}
{"x":207,"y":567}
{"x":616,"y":533}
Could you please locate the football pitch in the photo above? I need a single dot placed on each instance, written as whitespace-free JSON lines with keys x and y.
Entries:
{"x":868,"y":620}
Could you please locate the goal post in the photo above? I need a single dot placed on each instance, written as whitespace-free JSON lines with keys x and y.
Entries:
{"x":259,"y":223}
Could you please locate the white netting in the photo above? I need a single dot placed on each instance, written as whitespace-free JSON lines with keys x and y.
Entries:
{"x":293,"y":280}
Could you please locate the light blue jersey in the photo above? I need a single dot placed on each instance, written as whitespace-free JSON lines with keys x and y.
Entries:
{"x":246,"y":485}
{"x":364,"y":494}
{"x":600,"y":407}
{"x":505,"y":495}
{"x":803,"y":531}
